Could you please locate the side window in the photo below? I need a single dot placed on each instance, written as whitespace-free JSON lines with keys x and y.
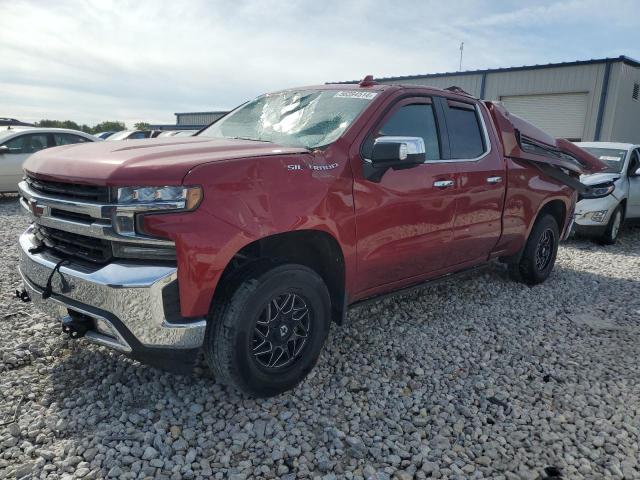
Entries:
{"x":417,"y":120}
{"x":68,"y":138}
{"x":634,"y":162}
{"x":136,"y":136}
{"x":465,"y":133}
{"x":27,"y":143}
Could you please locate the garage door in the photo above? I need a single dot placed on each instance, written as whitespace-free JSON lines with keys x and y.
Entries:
{"x":561,"y":115}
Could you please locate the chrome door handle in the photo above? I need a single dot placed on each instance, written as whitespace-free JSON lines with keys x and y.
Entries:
{"x":494,"y":179}
{"x":443,"y":183}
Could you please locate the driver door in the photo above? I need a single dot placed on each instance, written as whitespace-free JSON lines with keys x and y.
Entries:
{"x":20,"y":147}
{"x":633,"y":203}
{"x":404,"y":221}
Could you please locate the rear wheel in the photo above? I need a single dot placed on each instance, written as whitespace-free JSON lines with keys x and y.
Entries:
{"x":267,"y":330}
{"x":539,"y":255}
{"x":613,"y":227}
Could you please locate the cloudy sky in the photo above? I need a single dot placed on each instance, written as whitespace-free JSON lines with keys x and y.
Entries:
{"x":138,"y":60}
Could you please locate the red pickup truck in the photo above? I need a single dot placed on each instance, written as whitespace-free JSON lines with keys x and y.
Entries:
{"x":248,"y":240}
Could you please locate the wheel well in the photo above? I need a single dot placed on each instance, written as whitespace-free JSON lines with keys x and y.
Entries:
{"x":312,"y":248}
{"x":557,"y":210}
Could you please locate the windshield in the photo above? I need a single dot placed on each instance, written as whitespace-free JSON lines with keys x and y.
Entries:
{"x":119,"y":136}
{"x":295,"y":118}
{"x":613,"y":157}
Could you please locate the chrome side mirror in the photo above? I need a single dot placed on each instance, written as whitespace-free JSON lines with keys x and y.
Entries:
{"x":4,"y":149}
{"x":398,"y":152}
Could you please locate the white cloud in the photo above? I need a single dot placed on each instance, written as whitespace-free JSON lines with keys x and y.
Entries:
{"x":135,"y":60}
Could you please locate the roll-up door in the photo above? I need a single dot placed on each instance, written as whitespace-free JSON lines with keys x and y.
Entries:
{"x":561,"y":115}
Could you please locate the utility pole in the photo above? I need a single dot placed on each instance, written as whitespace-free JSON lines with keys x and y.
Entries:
{"x":461,"y":49}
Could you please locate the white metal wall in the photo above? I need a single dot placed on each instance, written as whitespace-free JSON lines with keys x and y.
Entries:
{"x":561,"y":115}
{"x":574,"y":79}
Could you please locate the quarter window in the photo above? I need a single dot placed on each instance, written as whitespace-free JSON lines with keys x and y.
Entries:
{"x":27,"y":143}
{"x":416,"y":120}
{"x":465,"y":134}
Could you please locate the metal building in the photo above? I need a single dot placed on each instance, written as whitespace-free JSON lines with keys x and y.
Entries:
{"x":583,"y":100}
{"x":198,"y":118}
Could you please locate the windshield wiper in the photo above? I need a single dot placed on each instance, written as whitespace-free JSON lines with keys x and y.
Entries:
{"x":251,"y":139}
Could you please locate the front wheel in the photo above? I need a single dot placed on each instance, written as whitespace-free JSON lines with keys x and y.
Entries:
{"x":266,"y":331}
{"x":610,"y":235}
{"x":539,"y":253}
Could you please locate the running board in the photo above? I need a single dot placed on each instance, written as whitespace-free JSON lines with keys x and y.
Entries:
{"x":423,"y":284}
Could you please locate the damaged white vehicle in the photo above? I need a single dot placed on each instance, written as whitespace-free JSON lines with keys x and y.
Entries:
{"x":617,"y":191}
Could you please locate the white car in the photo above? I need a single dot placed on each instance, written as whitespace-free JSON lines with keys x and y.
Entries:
{"x":16,"y":144}
{"x":618,"y":189}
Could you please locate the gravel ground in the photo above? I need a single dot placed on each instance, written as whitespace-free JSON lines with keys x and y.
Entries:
{"x":482,"y":378}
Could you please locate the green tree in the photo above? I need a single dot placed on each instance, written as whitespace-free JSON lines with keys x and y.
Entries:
{"x":142,"y":126}
{"x":58,"y":124}
{"x":108,"y":126}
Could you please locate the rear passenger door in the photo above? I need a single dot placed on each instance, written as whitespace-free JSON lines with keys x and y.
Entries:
{"x":404,"y":221}
{"x":481,"y":181}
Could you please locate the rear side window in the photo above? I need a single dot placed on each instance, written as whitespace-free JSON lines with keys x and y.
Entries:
{"x":68,"y":138}
{"x":417,"y":120}
{"x":465,"y":134}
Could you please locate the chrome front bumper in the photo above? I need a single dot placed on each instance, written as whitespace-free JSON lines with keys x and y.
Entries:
{"x":124,"y":299}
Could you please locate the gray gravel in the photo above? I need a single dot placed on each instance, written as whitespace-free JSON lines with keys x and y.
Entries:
{"x":482,"y":378}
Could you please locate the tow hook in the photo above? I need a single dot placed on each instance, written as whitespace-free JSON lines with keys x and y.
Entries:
{"x":74,"y":328}
{"x":23,"y":295}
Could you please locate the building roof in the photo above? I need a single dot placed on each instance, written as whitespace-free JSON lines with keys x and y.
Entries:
{"x":621,"y":58}
{"x":217,"y":112}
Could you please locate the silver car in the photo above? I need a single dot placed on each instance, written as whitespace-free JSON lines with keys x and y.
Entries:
{"x":16,"y":144}
{"x":618,"y":189}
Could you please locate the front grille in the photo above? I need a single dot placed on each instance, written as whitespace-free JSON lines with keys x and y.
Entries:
{"x":74,"y":191}
{"x":71,"y":245}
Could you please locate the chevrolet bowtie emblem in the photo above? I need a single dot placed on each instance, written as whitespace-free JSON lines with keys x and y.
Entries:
{"x":36,"y":210}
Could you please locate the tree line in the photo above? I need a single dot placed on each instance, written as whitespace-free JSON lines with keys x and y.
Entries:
{"x":108,"y":126}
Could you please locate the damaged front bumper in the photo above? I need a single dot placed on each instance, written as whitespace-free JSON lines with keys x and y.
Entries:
{"x":127,"y":306}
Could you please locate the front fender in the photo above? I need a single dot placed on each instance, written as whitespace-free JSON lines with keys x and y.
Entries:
{"x":246,"y":200}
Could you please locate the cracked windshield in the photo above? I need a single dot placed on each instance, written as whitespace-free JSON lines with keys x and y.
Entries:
{"x":302,"y":118}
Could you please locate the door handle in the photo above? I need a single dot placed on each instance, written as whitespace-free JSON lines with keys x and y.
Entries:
{"x":494,"y":179}
{"x":443,"y":183}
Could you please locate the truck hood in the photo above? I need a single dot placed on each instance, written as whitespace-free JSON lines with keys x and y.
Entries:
{"x":158,"y":161}
{"x":598,"y":178}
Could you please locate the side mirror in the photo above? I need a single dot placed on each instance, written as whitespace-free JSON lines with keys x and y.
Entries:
{"x":397,"y":153}
{"x":633,"y":174}
{"x":4,"y":149}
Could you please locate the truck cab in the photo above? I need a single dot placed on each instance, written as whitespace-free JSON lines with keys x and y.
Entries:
{"x":250,"y":239}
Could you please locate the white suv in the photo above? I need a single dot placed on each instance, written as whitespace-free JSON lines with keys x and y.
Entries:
{"x":618,"y":188}
{"x":17,"y":143}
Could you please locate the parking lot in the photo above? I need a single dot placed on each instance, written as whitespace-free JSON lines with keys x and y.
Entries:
{"x":483,"y":378}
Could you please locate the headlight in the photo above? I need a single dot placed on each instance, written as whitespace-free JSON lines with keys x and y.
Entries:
{"x":598,"y":191}
{"x":184,"y":198}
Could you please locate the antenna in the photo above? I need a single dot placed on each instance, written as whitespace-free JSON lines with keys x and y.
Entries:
{"x":461,"y":49}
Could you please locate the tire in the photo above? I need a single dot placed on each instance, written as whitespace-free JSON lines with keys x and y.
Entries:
{"x":539,"y":255}
{"x":613,"y":227}
{"x":264,"y":314}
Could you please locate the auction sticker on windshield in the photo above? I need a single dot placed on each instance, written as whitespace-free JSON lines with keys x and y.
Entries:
{"x":355,"y":94}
